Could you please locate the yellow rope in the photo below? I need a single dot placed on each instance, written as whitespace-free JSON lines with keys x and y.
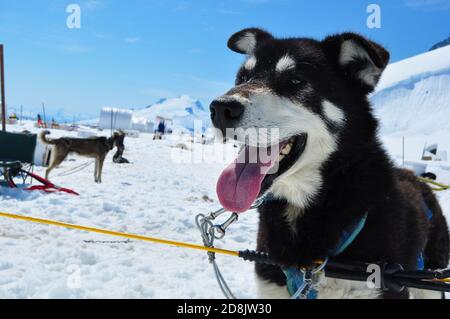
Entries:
{"x":440,"y":187}
{"x":137,"y":237}
{"x":119,"y":234}
{"x":445,"y":280}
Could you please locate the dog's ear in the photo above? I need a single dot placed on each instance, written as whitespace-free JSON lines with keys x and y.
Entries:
{"x":246,"y":41}
{"x":357,"y":58}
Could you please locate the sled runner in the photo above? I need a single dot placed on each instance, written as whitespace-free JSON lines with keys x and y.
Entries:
{"x":17,"y":161}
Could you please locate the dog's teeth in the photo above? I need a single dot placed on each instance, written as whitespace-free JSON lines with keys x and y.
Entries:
{"x":286,"y":150}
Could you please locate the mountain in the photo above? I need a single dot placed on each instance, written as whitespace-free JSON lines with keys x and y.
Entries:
{"x":182,"y":110}
{"x":413,"y":95}
{"x":441,"y":44}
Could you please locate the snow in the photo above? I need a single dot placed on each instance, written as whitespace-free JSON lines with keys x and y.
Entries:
{"x":413,"y":96}
{"x":155,"y":196}
{"x":162,"y":191}
{"x":417,"y":66}
{"x":184,"y":111}
{"x":412,"y":102}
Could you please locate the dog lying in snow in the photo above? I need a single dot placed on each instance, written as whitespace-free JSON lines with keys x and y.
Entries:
{"x":331,"y":168}
{"x":95,"y":147}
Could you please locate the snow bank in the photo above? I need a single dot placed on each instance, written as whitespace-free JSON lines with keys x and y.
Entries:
{"x":418,"y":67}
{"x":413,"y":96}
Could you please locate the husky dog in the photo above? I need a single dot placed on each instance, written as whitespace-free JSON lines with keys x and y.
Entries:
{"x":96,"y":147}
{"x":331,"y":168}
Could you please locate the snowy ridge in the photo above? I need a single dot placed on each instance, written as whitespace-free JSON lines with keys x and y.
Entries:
{"x":182,"y":110}
{"x":415,"y":67}
{"x":414,"y":94}
{"x":413,"y":101}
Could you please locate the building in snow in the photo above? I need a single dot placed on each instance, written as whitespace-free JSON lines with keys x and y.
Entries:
{"x":433,"y":153}
{"x":115,"y":119}
{"x":141,"y":124}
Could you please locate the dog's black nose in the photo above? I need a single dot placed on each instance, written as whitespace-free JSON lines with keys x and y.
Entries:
{"x":225,"y":114}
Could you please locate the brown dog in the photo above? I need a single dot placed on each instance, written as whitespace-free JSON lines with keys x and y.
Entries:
{"x":95,"y":147}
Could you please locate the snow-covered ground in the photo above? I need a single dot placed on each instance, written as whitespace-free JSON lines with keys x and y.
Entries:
{"x":153,"y":196}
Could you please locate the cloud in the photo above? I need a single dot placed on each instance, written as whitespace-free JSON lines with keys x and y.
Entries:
{"x":257,"y":1}
{"x":229,"y":12}
{"x":428,"y":4}
{"x":157,"y":93}
{"x":73,"y":48}
{"x":132,"y":40}
{"x":206,"y":89}
{"x":102,"y":36}
{"x":93,"y":5}
{"x":182,"y":6}
{"x":196,"y":51}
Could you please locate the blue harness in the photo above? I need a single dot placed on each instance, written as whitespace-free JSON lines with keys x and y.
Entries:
{"x":429,"y":214}
{"x":295,"y":277}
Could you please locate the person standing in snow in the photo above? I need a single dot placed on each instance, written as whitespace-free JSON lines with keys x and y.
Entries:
{"x":39,"y":121}
{"x":160,"y":131}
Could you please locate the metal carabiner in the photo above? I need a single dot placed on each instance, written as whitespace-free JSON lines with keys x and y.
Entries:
{"x":221,"y":229}
{"x":217,"y":213}
{"x":312,"y":277}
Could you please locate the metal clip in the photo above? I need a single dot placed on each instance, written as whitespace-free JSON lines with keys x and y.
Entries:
{"x":221,"y":229}
{"x":210,"y":232}
{"x":312,"y":277}
{"x":259,"y":202}
{"x":216,"y":214}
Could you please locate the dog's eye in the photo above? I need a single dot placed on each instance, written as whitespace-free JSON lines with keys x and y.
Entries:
{"x":243,"y":78}
{"x":298,"y":82}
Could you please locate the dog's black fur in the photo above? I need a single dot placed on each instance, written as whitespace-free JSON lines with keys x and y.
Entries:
{"x":358,"y":178}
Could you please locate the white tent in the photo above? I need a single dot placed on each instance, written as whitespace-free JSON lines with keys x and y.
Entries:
{"x":434,"y":153}
{"x":141,"y":124}
{"x":114,"y":119}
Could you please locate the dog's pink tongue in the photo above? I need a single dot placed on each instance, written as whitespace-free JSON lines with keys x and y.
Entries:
{"x":240,"y":183}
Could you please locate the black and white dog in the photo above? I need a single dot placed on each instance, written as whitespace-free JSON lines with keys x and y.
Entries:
{"x":331,"y":168}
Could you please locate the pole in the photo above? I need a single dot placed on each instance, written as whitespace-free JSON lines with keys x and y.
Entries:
{"x":45,"y":118}
{"x":424,"y":150}
{"x":2,"y":87}
{"x":112,"y":110}
{"x":403,"y":151}
{"x":21,"y":111}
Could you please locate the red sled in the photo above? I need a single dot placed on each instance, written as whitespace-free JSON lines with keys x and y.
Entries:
{"x":17,"y":161}
{"x":46,"y":186}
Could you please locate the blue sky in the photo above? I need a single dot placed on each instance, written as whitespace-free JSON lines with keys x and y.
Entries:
{"x":131,"y":53}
